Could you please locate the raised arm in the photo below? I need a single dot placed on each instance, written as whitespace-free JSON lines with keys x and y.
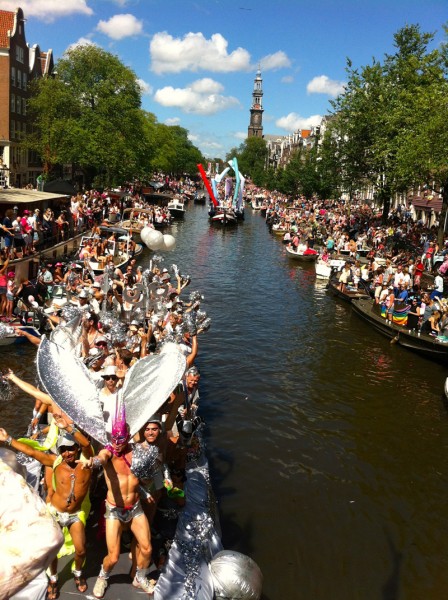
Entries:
{"x":42,"y":457}
{"x":28,"y":388}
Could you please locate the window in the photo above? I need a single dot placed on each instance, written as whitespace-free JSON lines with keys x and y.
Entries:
{"x":24,"y":80}
{"x":19,"y":54}
{"x":19,"y":79}
{"x":13,"y":129}
{"x":23,"y":106}
{"x":13,"y":76}
{"x":19,"y":105}
{"x":13,"y":103}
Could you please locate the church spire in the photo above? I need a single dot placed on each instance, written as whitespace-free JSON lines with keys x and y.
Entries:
{"x":255,"y":128}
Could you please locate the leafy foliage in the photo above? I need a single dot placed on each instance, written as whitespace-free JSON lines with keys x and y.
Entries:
{"x":89,"y":115}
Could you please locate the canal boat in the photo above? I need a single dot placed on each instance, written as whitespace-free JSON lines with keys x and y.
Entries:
{"x":278,"y":229}
{"x":325,"y":269}
{"x":257,"y":202}
{"x":176,"y":206}
{"x":348,"y":294}
{"x":200,"y":198}
{"x":428,"y":346}
{"x":134,"y":219}
{"x":306,"y":256}
{"x":221,"y":215}
{"x":119,"y":246}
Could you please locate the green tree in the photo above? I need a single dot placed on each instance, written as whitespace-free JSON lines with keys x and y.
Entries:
{"x":89,"y":114}
{"x":375,"y":114}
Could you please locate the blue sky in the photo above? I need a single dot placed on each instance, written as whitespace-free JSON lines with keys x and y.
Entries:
{"x":197,"y":59}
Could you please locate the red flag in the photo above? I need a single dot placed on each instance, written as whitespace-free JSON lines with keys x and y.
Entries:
{"x":207,"y":184}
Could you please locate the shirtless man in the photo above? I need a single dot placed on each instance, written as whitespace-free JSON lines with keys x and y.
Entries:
{"x":71,"y":487}
{"x":123,"y":507}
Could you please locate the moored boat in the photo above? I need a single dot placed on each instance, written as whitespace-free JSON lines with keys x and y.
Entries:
{"x":347,"y":292}
{"x":325,"y":269}
{"x":176,"y":206}
{"x":306,"y":256}
{"x":427,"y":345}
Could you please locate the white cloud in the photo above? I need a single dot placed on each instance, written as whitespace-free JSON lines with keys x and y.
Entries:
{"x":293,"y":122}
{"x":201,"y":97}
{"x":240,"y":135}
{"x":145,"y":87}
{"x":172,"y":121}
{"x":278,"y":60}
{"x":194,"y":52}
{"x":287,"y":79}
{"x":49,"y":10}
{"x":121,"y":26}
{"x":83,"y":41}
{"x":120,"y":2}
{"x":325,"y":85}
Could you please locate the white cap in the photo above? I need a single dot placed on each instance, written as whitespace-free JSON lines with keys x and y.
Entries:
{"x":110,"y":370}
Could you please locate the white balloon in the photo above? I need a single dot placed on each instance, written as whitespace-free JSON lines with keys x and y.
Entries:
{"x":145,"y":233}
{"x":169,"y":242}
{"x":155,"y":240}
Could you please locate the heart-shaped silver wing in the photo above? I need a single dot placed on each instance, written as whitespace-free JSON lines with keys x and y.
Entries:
{"x":149,"y":383}
{"x":67,"y":381}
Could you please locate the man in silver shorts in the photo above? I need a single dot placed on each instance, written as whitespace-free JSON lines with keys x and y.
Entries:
{"x":122,"y":508}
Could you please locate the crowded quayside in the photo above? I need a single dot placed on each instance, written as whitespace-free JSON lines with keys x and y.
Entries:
{"x":393,"y":274}
{"x":116,"y":440}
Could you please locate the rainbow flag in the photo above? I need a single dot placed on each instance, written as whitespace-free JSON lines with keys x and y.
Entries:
{"x":400,"y":314}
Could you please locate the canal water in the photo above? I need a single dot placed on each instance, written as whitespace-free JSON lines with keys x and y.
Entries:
{"x":328,"y":445}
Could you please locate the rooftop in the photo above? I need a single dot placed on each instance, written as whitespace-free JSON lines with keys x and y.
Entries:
{"x":6,"y":24}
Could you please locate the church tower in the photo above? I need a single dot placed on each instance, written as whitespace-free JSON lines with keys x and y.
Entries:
{"x":255,"y":128}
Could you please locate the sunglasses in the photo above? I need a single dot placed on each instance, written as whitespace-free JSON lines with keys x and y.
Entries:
{"x":107,"y":377}
{"x":104,"y":344}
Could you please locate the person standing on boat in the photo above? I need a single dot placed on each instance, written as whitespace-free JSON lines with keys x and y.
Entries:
{"x":123,"y":507}
{"x":68,"y":500}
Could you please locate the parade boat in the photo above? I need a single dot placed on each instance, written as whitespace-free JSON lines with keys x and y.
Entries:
{"x":119,"y":246}
{"x":200,"y":198}
{"x":428,"y":346}
{"x":278,"y":229}
{"x":220,"y":215}
{"x":306,"y":256}
{"x":134,"y":219}
{"x":176,"y":206}
{"x":348,"y":293}
{"x":257,"y":202}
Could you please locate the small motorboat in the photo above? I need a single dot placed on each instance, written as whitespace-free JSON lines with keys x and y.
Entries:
{"x":325,"y":268}
{"x":304,"y":256}
{"x":176,"y":206}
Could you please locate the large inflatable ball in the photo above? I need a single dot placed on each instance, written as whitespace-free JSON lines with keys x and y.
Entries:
{"x":235,"y":576}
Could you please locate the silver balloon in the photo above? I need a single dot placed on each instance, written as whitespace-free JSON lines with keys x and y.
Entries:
{"x":235,"y":576}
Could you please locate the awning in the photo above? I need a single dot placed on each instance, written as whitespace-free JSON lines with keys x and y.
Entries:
{"x":428,"y":203}
{"x":14,"y":196}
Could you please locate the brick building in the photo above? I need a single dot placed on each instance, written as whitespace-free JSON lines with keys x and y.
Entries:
{"x":18,"y":65}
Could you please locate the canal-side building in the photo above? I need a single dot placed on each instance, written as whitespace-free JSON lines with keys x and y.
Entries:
{"x":255,"y":128}
{"x":18,"y":65}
